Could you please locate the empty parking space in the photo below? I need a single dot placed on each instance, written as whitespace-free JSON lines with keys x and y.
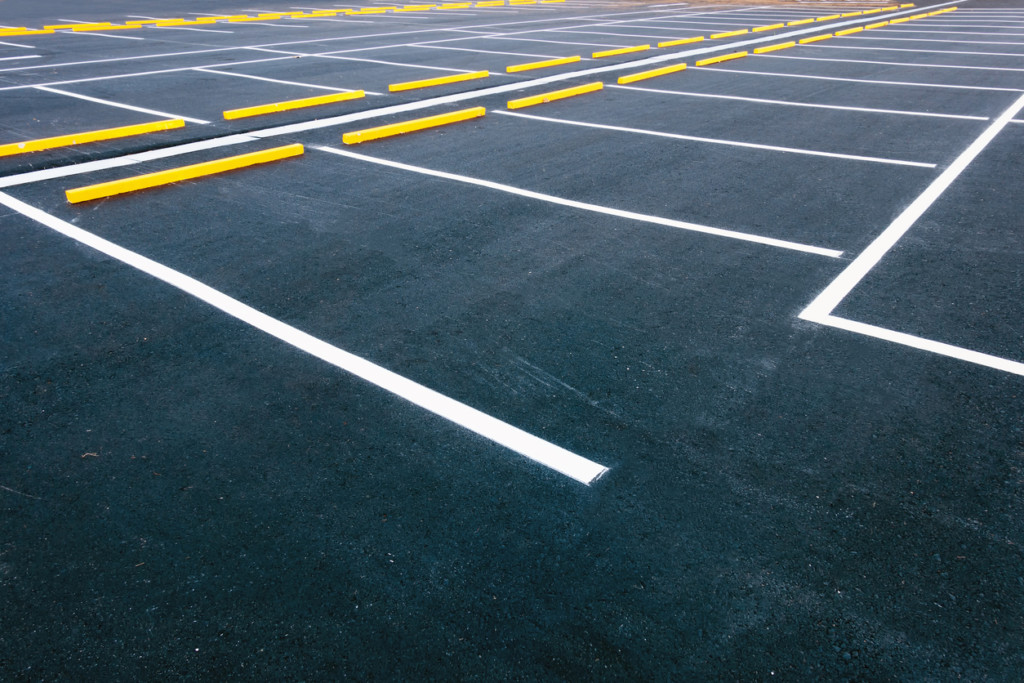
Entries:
{"x":955,"y":277}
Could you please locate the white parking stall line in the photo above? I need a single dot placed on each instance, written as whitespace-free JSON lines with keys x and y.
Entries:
{"x":119,"y":105}
{"x":820,"y":309}
{"x":543,"y":452}
{"x":789,"y":103}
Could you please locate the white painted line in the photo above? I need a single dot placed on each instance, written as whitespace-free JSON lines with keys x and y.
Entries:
{"x":786,"y":103}
{"x":910,"y":64}
{"x":931,"y":52}
{"x":584,"y":206}
{"x":570,"y":464}
{"x":118,"y":162}
{"x":121,"y":59}
{"x":99,"y":35}
{"x":411,"y":66}
{"x":186,"y":28}
{"x":716,"y":141}
{"x":138,"y":74}
{"x":827,"y":301}
{"x":552,"y":42}
{"x":946,"y":33}
{"x":27,"y":47}
{"x":820,"y":309}
{"x":7,"y":59}
{"x":971,"y":24}
{"x":647,"y":36}
{"x":119,"y":105}
{"x":208,"y":70}
{"x":363,"y":59}
{"x":934,"y":40}
{"x":466,"y":49}
{"x":861,"y":80}
{"x":940,"y":348}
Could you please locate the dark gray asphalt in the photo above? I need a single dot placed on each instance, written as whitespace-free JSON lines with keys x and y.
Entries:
{"x":185,"y":496}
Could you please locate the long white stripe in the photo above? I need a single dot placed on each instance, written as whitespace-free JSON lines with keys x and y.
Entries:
{"x":363,"y":59}
{"x":923,"y":344}
{"x":27,"y":47}
{"x":839,"y":288}
{"x":7,"y":59}
{"x":486,"y":52}
{"x":538,"y":450}
{"x":786,"y":103}
{"x":275,"y":80}
{"x":869,"y":61}
{"x":930,"y":52}
{"x":100,"y":35}
{"x":117,"y":162}
{"x":947,"y":33}
{"x":716,"y":141}
{"x":518,"y":39}
{"x":185,"y":28}
{"x":119,"y":105}
{"x":889,"y":39}
{"x":656,"y":220}
{"x":138,"y":74}
{"x":861,"y":80}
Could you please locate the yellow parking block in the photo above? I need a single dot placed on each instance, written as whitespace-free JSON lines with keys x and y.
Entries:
{"x":850,"y":14}
{"x":554,"y":95}
{"x":174,"y":175}
{"x":61,"y":27}
{"x":773,"y":48}
{"x":288,"y":105}
{"x":722,"y":58}
{"x":815,"y":39}
{"x":88,"y":136}
{"x":644,"y":75}
{"x":620,"y":51}
{"x":27,"y":32}
{"x":829,"y":17}
{"x":443,"y":80}
{"x":682,"y":41}
{"x":355,"y":137}
{"x":728,"y":34}
{"x":798,"y":22}
{"x":769,"y":27}
{"x":850,"y":31}
{"x":108,"y":27}
{"x":529,"y":66}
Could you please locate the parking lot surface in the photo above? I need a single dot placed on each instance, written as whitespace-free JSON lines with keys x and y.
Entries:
{"x":714,"y":373}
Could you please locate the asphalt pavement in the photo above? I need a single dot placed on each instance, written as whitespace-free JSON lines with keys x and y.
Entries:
{"x":714,"y":375}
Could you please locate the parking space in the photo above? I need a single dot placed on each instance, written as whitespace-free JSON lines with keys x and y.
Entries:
{"x":714,"y":344}
{"x":955,"y":278}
